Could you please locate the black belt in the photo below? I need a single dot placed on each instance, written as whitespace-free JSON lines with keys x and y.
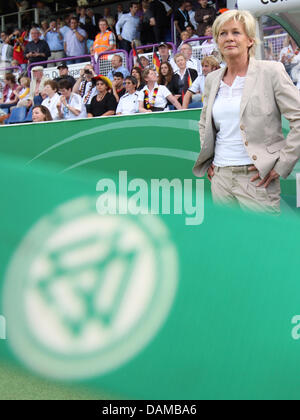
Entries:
{"x":57,"y":51}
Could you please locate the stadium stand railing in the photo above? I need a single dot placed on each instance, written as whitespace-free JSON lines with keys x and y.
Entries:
{"x":34,"y":12}
{"x":66,"y":59}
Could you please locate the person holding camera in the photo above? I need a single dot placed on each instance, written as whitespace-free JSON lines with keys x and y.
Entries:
{"x":55,"y":41}
{"x":85,"y":86}
{"x":37,"y":50}
{"x":19,"y":43}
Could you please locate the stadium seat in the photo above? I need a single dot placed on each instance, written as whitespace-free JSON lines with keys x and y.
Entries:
{"x":17,"y":115}
{"x":29,"y":115}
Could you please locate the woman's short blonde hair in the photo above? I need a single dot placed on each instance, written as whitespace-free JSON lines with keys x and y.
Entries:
{"x":179,"y":55}
{"x":243,"y":16}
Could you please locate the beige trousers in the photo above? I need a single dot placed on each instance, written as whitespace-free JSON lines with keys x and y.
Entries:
{"x":56,"y":56}
{"x":231,"y":186}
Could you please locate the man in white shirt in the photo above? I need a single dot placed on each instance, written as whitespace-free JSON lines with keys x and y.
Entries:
{"x":127,"y":28}
{"x":209,"y":64}
{"x":6,"y":53}
{"x":191,"y":12}
{"x":128,"y":103}
{"x":191,"y":62}
{"x":75,"y":42}
{"x":70,"y":106}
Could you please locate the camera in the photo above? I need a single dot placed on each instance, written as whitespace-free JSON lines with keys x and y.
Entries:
{"x":88,"y":72}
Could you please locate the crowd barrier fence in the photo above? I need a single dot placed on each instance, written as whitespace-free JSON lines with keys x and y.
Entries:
{"x":66,"y":59}
{"x":104,"y":66}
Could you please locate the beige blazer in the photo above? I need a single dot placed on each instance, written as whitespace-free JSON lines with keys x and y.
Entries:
{"x":268,"y":94}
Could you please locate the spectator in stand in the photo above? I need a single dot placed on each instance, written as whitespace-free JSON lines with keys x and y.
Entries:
{"x":209,"y":45}
{"x":43,"y":10}
{"x":118,"y":86}
{"x":145,"y":62}
{"x":104,"y":103}
{"x":159,"y":20}
{"x":129,"y":103}
{"x":63,"y":25}
{"x":41,"y":114}
{"x":9,"y":98}
{"x":64,"y":74}
{"x":154,"y":97}
{"x":34,"y":26}
{"x":166,"y":78}
{"x":85,"y":85}
{"x":23,"y":91}
{"x":117,"y":67}
{"x":2,"y":37}
{"x":196,"y":91}
{"x":22,"y":5}
{"x":91,"y":31}
{"x":37,"y":50}
{"x":190,"y":9}
{"x":127,"y":28}
{"x":37,"y":85}
{"x":164,"y":52}
{"x":145,"y":29}
{"x":184,"y":36}
{"x":120,"y":12}
{"x":288,"y":54}
{"x":192,"y":63}
{"x":268,"y":54}
{"x":184,"y":76}
{"x":55,"y":40}
{"x":205,"y":16}
{"x":70,"y":105}
{"x":44,"y":28}
{"x":191,"y":33}
{"x":108,"y":16}
{"x":19,"y":42}
{"x":75,"y":42}
{"x":6,"y":52}
{"x":52,"y":98}
{"x":94,"y":17}
{"x":105,"y":40}
{"x":181,"y":18}
{"x":82,"y":16}
{"x":136,"y":72}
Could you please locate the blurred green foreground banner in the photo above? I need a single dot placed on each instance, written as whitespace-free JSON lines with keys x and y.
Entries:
{"x":121,"y":279}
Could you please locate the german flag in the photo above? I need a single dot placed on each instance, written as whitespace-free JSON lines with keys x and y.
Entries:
{"x":136,"y":58}
{"x":190,"y":82}
{"x":156,"y":61}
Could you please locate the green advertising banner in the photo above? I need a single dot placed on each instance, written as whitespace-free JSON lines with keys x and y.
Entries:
{"x":120,"y":278}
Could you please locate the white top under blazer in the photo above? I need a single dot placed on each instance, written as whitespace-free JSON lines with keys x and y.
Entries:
{"x":229,"y":147}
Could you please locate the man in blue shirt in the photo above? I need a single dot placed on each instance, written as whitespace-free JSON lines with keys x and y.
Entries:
{"x":127,"y":28}
{"x":117,"y":67}
{"x":55,"y":40}
{"x":75,"y":42}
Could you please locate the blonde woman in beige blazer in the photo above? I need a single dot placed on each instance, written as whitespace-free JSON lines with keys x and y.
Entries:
{"x":243,"y":150}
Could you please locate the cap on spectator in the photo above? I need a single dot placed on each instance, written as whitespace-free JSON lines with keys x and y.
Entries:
{"x":163,"y":44}
{"x":105,"y":79}
{"x":62,"y":66}
{"x":38,"y":68}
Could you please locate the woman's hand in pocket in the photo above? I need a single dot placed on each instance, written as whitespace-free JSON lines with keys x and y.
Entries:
{"x":211,"y":172}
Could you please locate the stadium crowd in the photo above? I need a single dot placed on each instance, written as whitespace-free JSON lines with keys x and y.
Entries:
{"x":170,"y":82}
